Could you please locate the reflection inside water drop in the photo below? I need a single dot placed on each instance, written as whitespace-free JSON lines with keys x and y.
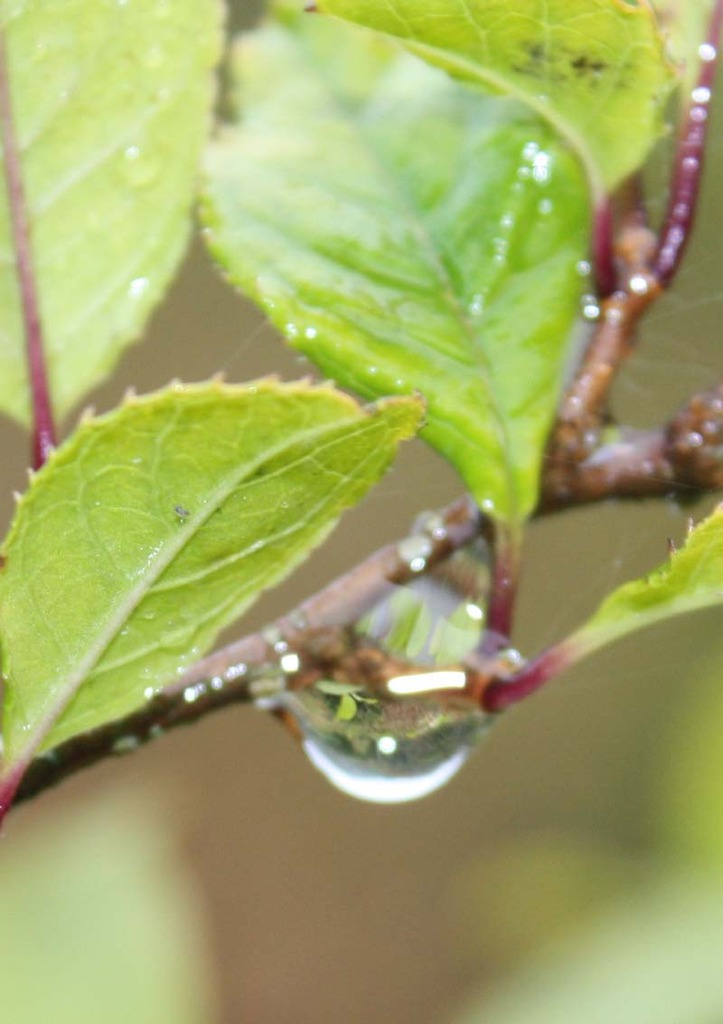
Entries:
{"x":408,"y":739}
{"x":383,"y":749}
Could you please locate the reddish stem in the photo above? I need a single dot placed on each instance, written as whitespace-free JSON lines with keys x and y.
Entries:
{"x":603,"y":252}
{"x":8,"y":788}
{"x":44,"y":437}
{"x":689,"y":158}
{"x":503,"y":592}
{"x":503,"y":693}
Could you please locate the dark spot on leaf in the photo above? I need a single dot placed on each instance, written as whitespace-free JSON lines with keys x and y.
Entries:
{"x":181,"y":512}
{"x":584,"y":65}
{"x":3,"y":561}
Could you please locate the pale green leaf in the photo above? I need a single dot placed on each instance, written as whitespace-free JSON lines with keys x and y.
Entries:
{"x":685,"y":23}
{"x":654,"y":959}
{"x":406,"y":233}
{"x":99,"y":923}
{"x":692,"y":578}
{"x":152,"y":528}
{"x":597,"y":69}
{"x":690,"y":777}
{"x":111,"y":106}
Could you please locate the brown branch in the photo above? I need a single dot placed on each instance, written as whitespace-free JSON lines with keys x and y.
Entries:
{"x":684,"y":458}
{"x":317,"y":633}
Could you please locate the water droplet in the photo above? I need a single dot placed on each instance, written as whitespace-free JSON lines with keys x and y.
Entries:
{"x":707,"y":52}
{"x":192,"y":693}
{"x":126,"y":744}
{"x":638,"y":284}
{"x":583,"y":267}
{"x":415,"y":551}
{"x":235,"y":672}
{"x":138,"y":287}
{"x":541,"y":167}
{"x":139,"y":168}
{"x":700,"y":94}
{"x":217,"y":683}
{"x":383,"y":749}
{"x":310,"y":333}
{"x":695,"y":440}
{"x":290,"y":663}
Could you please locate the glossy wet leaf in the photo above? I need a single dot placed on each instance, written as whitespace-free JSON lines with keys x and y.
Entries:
{"x":156,"y":526}
{"x":692,"y":578}
{"x":111,"y":104}
{"x":596,"y":69}
{"x":99,"y":922}
{"x":406,"y":233}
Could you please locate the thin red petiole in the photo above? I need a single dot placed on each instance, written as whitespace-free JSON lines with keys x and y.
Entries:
{"x":689,"y":157}
{"x":44,"y":437}
{"x":603,"y":253}
{"x":503,"y":592}
{"x":503,"y":693}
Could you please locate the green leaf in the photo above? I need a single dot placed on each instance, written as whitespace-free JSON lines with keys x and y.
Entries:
{"x":652,"y":959}
{"x":406,"y":233}
{"x":154,"y":527}
{"x":596,"y":69}
{"x":111,"y":106}
{"x":98,"y":922}
{"x":686,"y":26}
{"x":692,"y":578}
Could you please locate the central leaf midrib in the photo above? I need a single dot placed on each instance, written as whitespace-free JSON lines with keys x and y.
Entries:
{"x":434,"y":262}
{"x":75,"y":679}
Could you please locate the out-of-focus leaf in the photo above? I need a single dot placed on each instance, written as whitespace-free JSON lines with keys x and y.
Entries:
{"x":155,"y":526}
{"x":98,"y":923}
{"x":650,"y":960}
{"x":596,"y":69}
{"x":111,"y":105}
{"x":406,"y":233}
{"x":691,"y":775}
{"x":685,"y":23}
{"x":523,"y":895}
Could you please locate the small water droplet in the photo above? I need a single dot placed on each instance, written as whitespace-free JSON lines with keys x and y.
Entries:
{"x":310,"y":333}
{"x":139,"y":168}
{"x":235,"y":672}
{"x":290,"y":663}
{"x":707,"y":52}
{"x":383,"y":749}
{"x":695,"y":440}
{"x":138,"y":287}
{"x":700,"y":94}
{"x":415,"y":551}
{"x":638,"y":284}
{"x":583,"y":267}
{"x":126,"y":744}
{"x":192,"y":693}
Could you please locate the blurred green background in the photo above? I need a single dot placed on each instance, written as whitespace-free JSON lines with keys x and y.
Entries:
{"x":572,"y":872}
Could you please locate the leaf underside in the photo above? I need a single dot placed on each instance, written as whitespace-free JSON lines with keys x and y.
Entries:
{"x":406,"y":233}
{"x":596,"y":69}
{"x":111,"y":105}
{"x":154,"y":527}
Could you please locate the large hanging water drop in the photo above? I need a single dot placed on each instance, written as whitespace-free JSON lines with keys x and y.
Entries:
{"x":385,"y":749}
{"x":407,"y":738}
